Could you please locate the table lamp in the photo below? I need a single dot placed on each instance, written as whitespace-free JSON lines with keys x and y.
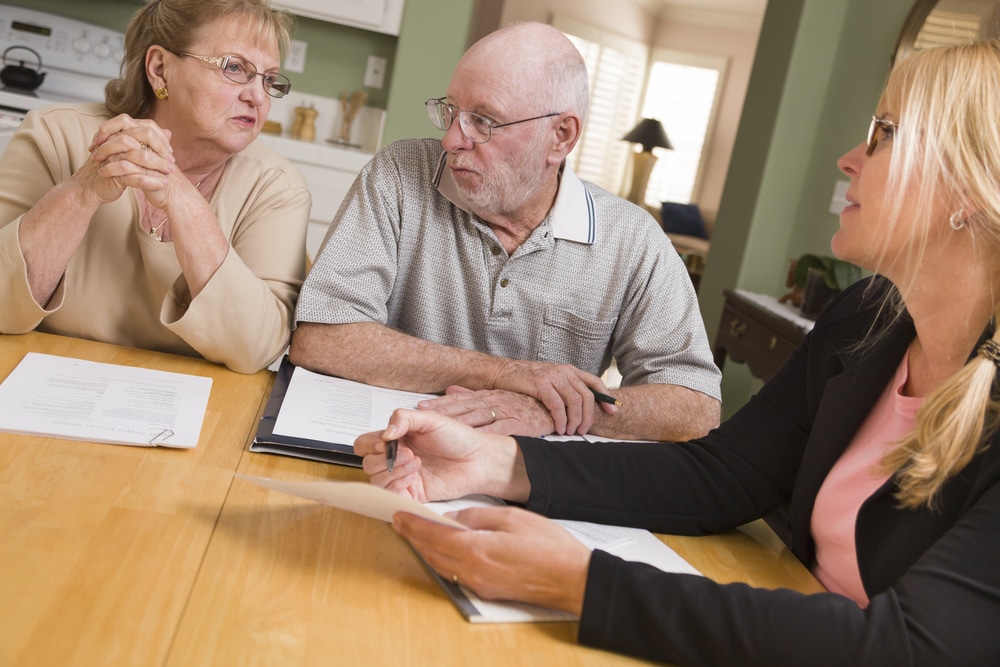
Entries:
{"x":649,"y":133}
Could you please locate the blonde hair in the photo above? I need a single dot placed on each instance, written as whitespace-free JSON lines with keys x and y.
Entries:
{"x":948,"y":140}
{"x":175,"y":25}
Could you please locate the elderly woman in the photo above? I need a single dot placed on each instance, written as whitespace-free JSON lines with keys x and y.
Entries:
{"x":154,"y":220}
{"x":880,"y":432}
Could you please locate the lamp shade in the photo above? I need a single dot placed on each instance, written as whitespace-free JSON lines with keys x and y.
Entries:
{"x":650,"y":133}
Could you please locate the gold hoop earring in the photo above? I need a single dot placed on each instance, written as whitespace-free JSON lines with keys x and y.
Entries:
{"x":161,"y":93}
{"x":956,"y":221}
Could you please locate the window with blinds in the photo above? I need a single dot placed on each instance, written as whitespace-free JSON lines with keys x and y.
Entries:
{"x":943,"y":27}
{"x":617,"y":70}
{"x":681,"y":90}
{"x":682,"y":93}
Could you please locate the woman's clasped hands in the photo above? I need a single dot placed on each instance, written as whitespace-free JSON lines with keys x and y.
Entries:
{"x":509,"y":553}
{"x":129,"y":152}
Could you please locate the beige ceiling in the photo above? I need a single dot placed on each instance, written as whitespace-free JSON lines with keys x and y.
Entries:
{"x":747,"y":8}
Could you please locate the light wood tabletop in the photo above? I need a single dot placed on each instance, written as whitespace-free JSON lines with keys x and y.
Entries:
{"x":286,"y":579}
{"x":135,"y":556}
{"x":101,"y":543}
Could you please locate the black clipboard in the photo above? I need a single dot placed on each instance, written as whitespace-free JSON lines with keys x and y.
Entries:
{"x":269,"y":442}
{"x":452,"y":590}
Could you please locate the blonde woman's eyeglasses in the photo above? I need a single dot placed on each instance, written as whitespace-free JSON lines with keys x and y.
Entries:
{"x":880,"y":126}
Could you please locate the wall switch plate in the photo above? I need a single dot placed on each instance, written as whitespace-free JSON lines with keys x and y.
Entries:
{"x":295,"y":59}
{"x":374,"y":72}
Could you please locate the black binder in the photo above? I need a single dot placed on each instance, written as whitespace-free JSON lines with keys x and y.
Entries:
{"x":269,"y":442}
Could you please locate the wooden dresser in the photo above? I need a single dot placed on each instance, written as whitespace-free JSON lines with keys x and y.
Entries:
{"x":757,"y":330}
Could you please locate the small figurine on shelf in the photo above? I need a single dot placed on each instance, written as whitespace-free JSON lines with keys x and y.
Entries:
{"x":793,"y":298}
{"x":349,"y":108}
{"x":304,"y":126}
{"x":815,"y":278}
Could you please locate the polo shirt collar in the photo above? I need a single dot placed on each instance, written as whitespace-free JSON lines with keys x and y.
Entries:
{"x":572,"y":216}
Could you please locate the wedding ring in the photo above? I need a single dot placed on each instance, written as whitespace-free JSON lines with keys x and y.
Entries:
{"x":493,"y":416}
{"x":143,"y":147}
{"x":454,"y":579}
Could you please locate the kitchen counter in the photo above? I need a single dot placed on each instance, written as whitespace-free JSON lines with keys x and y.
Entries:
{"x":329,"y":170}
{"x":319,"y":154}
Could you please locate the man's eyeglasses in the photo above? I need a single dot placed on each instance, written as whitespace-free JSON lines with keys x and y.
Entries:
{"x":886,"y":127}
{"x":239,"y":70}
{"x":477,"y":129}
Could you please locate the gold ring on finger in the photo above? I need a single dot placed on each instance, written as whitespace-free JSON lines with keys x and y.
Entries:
{"x":454,"y":579}
{"x":143,"y":147}
{"x":493,"y":416}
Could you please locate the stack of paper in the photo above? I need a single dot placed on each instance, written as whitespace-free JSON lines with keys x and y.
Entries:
{"x":86,"y":400}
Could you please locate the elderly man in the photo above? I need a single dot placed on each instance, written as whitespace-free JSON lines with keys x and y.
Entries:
{"x":489,"y":271}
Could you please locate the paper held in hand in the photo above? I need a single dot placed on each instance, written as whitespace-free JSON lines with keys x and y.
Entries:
{"x":61,"y":397}
{"x":632,"y":544}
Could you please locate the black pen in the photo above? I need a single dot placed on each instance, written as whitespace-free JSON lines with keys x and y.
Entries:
{"x":604,"y":398}
{"x":390,"y":453}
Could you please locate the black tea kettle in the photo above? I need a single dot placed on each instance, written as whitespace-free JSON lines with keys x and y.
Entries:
{"x":19,"y":76}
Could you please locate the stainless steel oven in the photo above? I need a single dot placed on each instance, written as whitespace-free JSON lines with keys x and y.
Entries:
{"x":73,"y":59}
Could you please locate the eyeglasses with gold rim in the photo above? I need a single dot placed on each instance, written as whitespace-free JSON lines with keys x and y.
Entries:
{"x":240,"y":70}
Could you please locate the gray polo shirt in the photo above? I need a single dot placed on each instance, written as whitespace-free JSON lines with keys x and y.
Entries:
{"x":597,"y":279}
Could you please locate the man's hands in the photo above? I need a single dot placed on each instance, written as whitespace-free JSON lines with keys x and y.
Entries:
{"x":494,"y":411}
{"x":563,"y":389}
{"x":399,"y":361}
{"x":536,"y":399}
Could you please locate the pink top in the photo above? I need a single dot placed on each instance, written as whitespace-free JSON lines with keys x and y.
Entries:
{"x":849,"y":484}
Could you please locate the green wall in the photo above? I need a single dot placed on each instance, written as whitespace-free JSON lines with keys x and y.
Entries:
{"x":432,"y":39}
{"x":336,"y":58}
{"x":855,"y":85}
{"x":817,"y":75}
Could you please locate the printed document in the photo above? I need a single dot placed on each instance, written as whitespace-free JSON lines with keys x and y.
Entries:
{"x":331,"y":409}
{"x":76,"y":399}
{"x":632,"y":544}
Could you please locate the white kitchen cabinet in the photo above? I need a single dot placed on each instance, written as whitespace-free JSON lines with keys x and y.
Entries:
{"x":377,"y":15}
{"x":329,"y":171}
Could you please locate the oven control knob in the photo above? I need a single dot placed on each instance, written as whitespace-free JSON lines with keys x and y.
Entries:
{"x":81,"y":45}
{"x":102,"y":50}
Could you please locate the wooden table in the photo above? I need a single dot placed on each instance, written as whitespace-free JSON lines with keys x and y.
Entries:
{"x":117,"y":555}
{"x":102,"y":543}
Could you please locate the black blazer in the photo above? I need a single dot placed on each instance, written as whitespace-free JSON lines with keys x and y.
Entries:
{"x":933,"y":577}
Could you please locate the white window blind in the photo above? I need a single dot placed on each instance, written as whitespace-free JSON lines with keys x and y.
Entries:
{"x":617,"y":69}
{"x":682,"y":93}
{"x":943,"y":27}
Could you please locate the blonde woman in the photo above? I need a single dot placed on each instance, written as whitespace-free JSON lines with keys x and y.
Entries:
{"x":880,"y":432}
{"x":155,"y":220}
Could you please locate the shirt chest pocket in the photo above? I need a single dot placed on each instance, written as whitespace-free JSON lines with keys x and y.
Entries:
{"x":567,"y":338}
